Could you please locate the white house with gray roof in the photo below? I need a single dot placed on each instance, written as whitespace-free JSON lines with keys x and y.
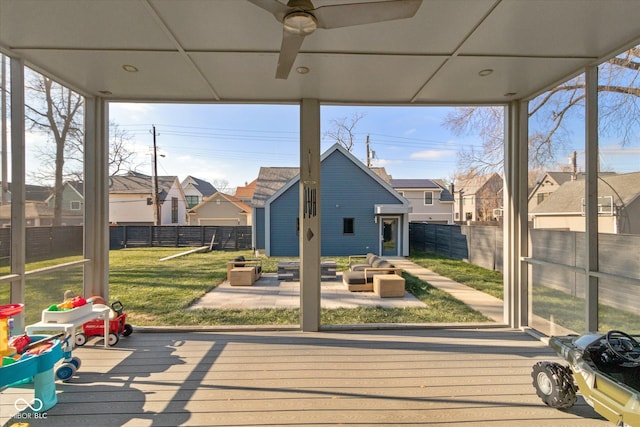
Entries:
{"x":131,"y":203}
{"x":430,"y":200}
{"x":618,"y":205}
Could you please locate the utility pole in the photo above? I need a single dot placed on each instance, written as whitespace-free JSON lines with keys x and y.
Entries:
{"x":157,"y":219}
{"x":370,"y":153}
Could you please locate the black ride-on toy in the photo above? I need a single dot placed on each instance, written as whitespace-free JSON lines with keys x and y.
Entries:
{"x":605,"y":368}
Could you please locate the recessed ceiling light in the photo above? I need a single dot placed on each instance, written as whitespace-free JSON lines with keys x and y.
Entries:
{"x":302,"y":70}
{"x":485,"y":73}
{"x":130,"y":68}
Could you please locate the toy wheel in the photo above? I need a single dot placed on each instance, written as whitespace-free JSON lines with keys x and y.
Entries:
{"x":81,"y":339}
{"x":75,"y":361}
{"x":113,"y":339}
{"x":554,"y":384}
{"x":127,"y":330}
{"x":65,"y":371}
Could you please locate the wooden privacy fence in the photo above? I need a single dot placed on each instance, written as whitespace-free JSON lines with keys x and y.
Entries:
{"x":230,"y":238}
{"x":45,"y":242}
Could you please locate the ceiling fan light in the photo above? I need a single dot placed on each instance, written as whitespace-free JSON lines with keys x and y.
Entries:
{"x":301,"y":23}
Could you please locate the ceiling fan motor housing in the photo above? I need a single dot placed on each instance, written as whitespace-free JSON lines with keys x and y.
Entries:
{"x":301,"y":23}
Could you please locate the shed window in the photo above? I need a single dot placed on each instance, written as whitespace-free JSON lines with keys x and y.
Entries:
{"x":75,"y":205}
{"x":428,"y":197}
{"x":347,"y":226}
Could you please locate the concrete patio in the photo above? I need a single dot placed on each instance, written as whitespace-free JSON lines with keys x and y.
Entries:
{"x":269,"y":292}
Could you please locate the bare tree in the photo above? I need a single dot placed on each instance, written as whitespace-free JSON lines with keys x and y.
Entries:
{"x":549,"y":114}
{"x":222,"y":185}
{"x":57,"y":111}
{"x":121,"y":158}
{"x":343,"y":130}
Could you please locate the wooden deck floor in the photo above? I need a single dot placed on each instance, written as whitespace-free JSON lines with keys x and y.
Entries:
{"x":429,"y":377}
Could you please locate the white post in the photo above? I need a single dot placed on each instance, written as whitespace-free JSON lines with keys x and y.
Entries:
{"x":591,"y":199}
{"x":96,"y":197}
{"x":18,"y":221}
{"x":309,"y":215}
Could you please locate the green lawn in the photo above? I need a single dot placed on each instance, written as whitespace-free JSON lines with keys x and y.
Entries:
{"x":487,"y":281}
{"x":158,"y":292}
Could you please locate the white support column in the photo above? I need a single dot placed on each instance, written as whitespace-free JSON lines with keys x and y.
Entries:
{"x":310,"y":215}
{"x":18,"y":221}
{"x":515,"y":215}
{"x":96,"y":194}
{"x":591,"y":199}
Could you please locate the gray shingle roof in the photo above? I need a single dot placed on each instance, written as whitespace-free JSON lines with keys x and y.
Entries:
{"x":624,"y":188}
{"x":205,"y":188}
{"x":427,"y":184}
{"x":270,"y":180}
{"x":135,"y":182}
{"x":413,"y":183}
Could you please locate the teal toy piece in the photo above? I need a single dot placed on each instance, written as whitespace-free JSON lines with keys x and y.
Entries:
{"x":39,"y":368}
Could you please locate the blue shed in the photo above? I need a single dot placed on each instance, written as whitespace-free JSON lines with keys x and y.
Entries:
{"x":360,"y":210}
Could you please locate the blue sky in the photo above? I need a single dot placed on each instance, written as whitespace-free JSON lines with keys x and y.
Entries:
{"x":231,"y":142}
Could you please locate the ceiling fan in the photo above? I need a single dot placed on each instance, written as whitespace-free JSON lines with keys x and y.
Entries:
{"x":299,"y":19}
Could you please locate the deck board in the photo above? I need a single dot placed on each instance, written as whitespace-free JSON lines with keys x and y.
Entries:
{"x":426,"y":377}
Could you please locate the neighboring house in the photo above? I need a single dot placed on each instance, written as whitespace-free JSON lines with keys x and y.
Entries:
{"x":131,"y":202}
{"x":618,"y":205}
{"x":72,"y":197}
{"x":195,"y":190}
{"x":36,"y":214}
{"x":360,"y":211}
{"x":245,"y":193}
{"x":220,"y":209}
{"x":478,"y":198}
{"x":549,"y":183}
{"x":429,"y":199}
{"x":39,"y":207}
{"x":32,"y":193}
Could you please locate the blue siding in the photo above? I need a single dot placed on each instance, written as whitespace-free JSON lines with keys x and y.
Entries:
{"x":258,"y":222}
{"x":284,"y":213}
{"x":347,"y":192}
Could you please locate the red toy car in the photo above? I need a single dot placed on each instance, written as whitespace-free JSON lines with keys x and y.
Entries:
{"x":117,"y":327}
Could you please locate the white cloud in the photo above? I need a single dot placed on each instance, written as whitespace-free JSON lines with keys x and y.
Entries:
{"x":432,"y":154}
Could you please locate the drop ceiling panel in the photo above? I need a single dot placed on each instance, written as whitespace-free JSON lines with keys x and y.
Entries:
{"x":95,"y":24}
{"x":555,"y":28}
{"x":161,"y":75}
{"x":334,"y":77}
{"x":459,"y":80}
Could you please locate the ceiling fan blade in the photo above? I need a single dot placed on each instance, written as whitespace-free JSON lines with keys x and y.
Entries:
{"x":347,"y":15}
{"x":288,"y":51}
{"x":278,"y":9}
